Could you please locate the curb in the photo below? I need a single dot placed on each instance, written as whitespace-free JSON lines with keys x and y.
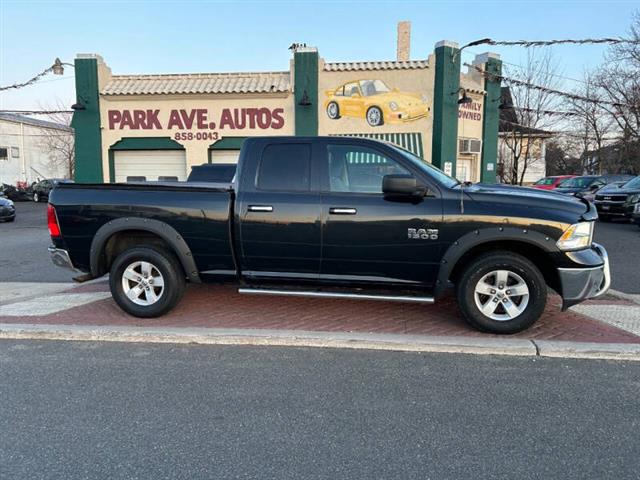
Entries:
{"x":604,"y":351}
{"x":298,"y":338}
{"x":632,"y":297}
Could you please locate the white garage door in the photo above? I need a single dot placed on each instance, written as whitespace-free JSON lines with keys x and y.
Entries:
{"x":224,"y":156}
{"x":140,"y":165}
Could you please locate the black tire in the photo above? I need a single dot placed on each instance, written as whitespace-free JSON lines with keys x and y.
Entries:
{"x":480,"y":269}
{"x":10,"y":219}
{"x":333,"y":110}
{"x":604,"y":218}
{"x":375,"y":117}
{"x":36,"y":197}
{"x":170,"y":270}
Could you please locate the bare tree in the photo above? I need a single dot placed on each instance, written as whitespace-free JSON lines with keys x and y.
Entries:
{"x":619,"y":82}
{"x":523,"y":135}
{"x":590,"y":123}
{"x":59,"y":143}
{"x":563,"y":155}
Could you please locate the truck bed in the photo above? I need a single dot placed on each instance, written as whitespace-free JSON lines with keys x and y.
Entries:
{"x":199,"y":212}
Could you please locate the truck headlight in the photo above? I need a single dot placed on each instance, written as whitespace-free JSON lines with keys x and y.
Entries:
{"x":634,"y":198}
{"x":576,"y":237}
{"x":393,"y":106}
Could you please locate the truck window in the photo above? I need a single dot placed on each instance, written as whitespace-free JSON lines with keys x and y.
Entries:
{"x":285,"y":167}
{"x":359,"y":169}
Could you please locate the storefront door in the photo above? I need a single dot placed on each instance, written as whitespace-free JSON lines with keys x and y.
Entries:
{"x":463,"y":170}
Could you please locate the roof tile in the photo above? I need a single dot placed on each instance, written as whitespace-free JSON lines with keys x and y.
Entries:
{"x":260,"y":82}
{"x":383,"y":65}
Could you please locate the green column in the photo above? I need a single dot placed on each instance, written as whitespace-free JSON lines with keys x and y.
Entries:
{"x":490,"y":117}
{"x":305,"y":90}
{"x":445,"y":106}
{"x":86,"y":123}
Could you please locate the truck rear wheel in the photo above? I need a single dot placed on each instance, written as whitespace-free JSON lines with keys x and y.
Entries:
{"x":501,"y":292}
{"x":146,"y":282}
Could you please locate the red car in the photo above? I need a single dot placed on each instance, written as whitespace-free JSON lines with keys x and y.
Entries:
{"x":551,"y":183}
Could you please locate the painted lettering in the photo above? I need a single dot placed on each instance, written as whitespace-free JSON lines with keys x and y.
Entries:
{"x":152,"y":120}
{"x":175,"y":121}
{"x":201,"y":116}
{"x":226,"y":120}
{"x":277,"y":118}
{"x":114,"y":117}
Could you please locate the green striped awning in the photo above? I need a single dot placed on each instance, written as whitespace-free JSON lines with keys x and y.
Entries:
{"x":409,"y":141}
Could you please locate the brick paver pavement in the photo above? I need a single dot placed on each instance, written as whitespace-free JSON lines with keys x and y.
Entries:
{"x":222,"y":307}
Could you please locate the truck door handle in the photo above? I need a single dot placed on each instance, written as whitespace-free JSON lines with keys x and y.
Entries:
{"x":260,"y":208}
{"x":342,"y":211}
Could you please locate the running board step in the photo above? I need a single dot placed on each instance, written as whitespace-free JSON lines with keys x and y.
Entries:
{"x":353,"y":296}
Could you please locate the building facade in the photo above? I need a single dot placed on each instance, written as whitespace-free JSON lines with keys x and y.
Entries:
{"x":156,"y":127}
{"x":26,"y":155}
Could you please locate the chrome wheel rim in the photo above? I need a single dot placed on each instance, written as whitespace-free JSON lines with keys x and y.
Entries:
{"x":332,"y":110}
{"x":142,"y":283}
{"x":501,"y":295}
{"x":373,"y":116}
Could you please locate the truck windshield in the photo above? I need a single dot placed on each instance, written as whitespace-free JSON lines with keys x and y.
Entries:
{"x":635,"y":183}
{"x":429,"y":169}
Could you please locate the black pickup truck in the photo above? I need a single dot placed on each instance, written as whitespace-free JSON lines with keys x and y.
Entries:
{"x":334,"y":217}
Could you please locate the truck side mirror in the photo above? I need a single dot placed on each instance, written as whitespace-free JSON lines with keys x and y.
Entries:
{"x":402,"y":185}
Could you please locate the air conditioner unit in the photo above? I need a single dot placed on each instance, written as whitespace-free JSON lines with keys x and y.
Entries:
{"x":469,"y":145}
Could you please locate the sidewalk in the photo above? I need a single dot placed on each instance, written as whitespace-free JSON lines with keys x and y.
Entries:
{"x":220,"y":310}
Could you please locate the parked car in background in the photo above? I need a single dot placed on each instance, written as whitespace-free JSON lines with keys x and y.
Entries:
{"x":14,"y":193}
{"x":618,"y":202}
{"x":40,"y":191}
{"x":7,"y":210}
{"x":591,"y":196}
{"x":635,"y":216}
{"x":587,"y":185}
{"x":551,"y":183}
{"x":578,"y":186}
{"x":632,"y":205}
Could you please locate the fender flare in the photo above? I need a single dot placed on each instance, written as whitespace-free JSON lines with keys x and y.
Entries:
{"x":487,"y":235}
{"x":161,"y":229}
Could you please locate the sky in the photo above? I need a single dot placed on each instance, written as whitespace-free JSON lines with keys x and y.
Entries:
{"x":137,"y":36}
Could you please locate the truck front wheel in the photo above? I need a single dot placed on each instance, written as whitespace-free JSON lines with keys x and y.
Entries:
{"x":501,"y":292}
{"x":146,"y":282}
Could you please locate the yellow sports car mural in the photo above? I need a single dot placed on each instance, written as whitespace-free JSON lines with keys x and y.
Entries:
{"x":374,"y":101}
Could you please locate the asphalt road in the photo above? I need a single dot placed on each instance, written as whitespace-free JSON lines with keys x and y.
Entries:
{"x":78,"y":410}
{"x":24,"y":257}
{"x":622,"y":241}
{"x":23,"y":247}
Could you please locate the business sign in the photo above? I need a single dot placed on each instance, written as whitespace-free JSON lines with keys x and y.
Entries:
{"x":197,"y":123}
{"x":470,"y":111}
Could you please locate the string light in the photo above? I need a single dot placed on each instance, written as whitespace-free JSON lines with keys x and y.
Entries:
{"x":573,"y":96}
{"x":57,"y":68}
{"x":34,"y":112}
{"x":546,"y":43}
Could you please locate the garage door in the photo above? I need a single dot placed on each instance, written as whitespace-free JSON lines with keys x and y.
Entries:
{"x":224,"y":156}
{"x":140,"y":165}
